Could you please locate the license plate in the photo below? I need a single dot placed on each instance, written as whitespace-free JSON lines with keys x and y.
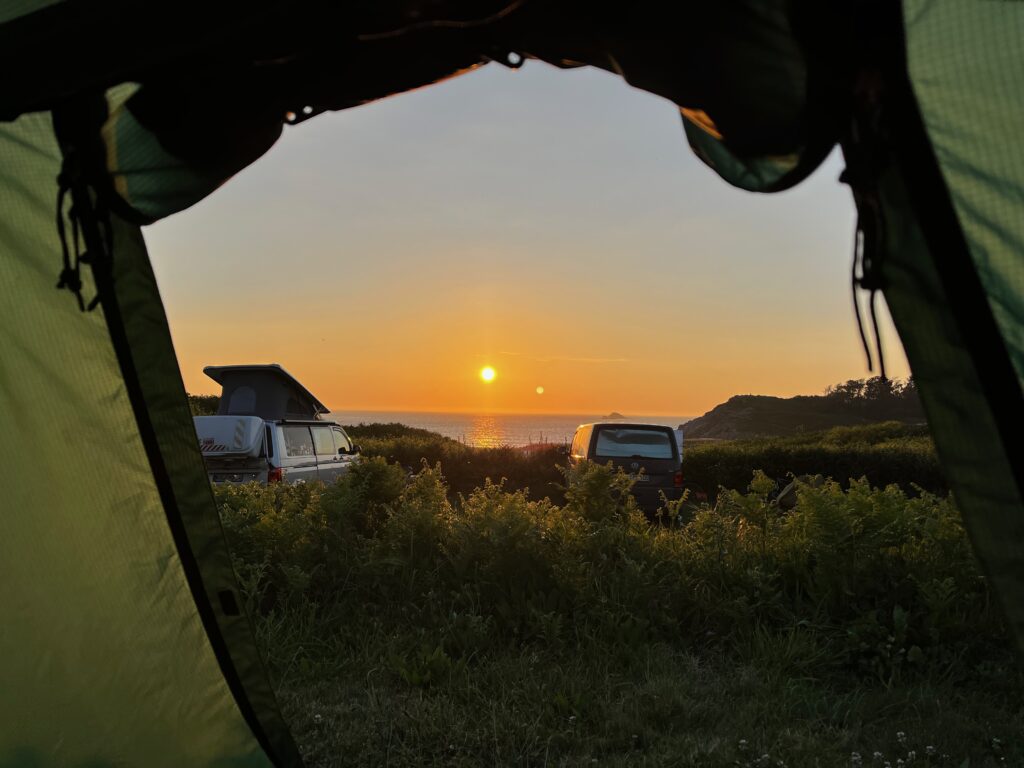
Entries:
{"x":231,"y":477}
{"x":642,"y":478}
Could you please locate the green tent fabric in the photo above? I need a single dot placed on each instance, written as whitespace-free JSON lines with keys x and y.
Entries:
{"x":12,"y":9}
{"x":124,"y":640}
{"x":964,"y":63}
{"x":965,"y":69}
{"x":118,"y":648}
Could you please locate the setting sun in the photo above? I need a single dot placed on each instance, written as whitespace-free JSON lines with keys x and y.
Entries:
{"x":487,"y":374}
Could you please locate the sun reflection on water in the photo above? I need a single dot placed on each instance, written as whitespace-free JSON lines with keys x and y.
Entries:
{"x":486,"y":432}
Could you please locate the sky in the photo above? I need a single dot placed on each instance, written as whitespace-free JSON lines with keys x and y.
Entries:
{"x":552,"y":225}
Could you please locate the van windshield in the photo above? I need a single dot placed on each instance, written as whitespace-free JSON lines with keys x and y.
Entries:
{"x":633,"y":442}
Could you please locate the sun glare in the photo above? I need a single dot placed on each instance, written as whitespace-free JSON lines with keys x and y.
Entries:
{"x":487,"y":374}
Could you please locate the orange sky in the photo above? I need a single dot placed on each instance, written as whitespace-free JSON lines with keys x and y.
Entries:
{"x":553,"y":225}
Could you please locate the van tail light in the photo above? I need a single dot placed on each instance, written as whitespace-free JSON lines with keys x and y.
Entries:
{"x":677,"y":480}
{"x":275,"y":475}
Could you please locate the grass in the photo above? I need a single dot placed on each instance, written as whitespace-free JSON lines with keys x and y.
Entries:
{"x":408,"y":623}
{"x":654,"y":706}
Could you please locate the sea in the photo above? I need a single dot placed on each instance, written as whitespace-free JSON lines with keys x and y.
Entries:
{"x":490,"y":430}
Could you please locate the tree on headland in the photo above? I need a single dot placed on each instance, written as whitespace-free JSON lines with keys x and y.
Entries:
{"x":880,"y":398}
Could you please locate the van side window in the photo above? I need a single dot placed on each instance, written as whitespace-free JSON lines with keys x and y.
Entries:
{"x":323,"y":442}
{"x":297,"y":441}
{"x":341,"y":440}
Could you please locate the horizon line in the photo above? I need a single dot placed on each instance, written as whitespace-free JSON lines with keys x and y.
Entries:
{"x":501,"y":412}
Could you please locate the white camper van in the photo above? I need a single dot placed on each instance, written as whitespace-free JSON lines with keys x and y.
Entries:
{"x":269,"y":428}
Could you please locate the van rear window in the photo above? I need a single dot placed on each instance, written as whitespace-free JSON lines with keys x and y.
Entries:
{"x":633,"y":443}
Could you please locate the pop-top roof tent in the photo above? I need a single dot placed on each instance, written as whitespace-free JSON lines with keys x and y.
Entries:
{"x":267,"y":391}
{"x":123,"y":640}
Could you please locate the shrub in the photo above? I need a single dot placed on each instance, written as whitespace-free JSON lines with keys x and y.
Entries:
{"x":465,"y":468}
{"x":203,"y":405}
{"x":886,"y":454}
{"x":361,"y":499}
{"x":416,"y":528}
{"x":873,"y":581}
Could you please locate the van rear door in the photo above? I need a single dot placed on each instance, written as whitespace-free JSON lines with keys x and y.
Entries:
{"x":646,"y":451}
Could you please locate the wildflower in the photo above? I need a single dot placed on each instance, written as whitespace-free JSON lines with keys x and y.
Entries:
{"x":855,"y":759}
{"x":929,"y":750}
{"x":901,"y":737}
{"x":742,"y":746}
{"x":318,"y":718}
{"x":911,"y":756}
{"x":878,"y":755}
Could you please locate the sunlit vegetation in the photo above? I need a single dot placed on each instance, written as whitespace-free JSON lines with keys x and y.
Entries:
{"x":886,"y":453}
{"x":409,"y":624}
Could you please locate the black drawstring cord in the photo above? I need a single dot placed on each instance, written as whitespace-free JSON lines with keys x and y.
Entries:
{"x":873,"y":301}
{"x":70,"y":275}
{"x":865,"y":158}
{"x":868,"y":242}
{"x":72,"y":255}
{"x":858,"y":240}
{"x":872,"y":245}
